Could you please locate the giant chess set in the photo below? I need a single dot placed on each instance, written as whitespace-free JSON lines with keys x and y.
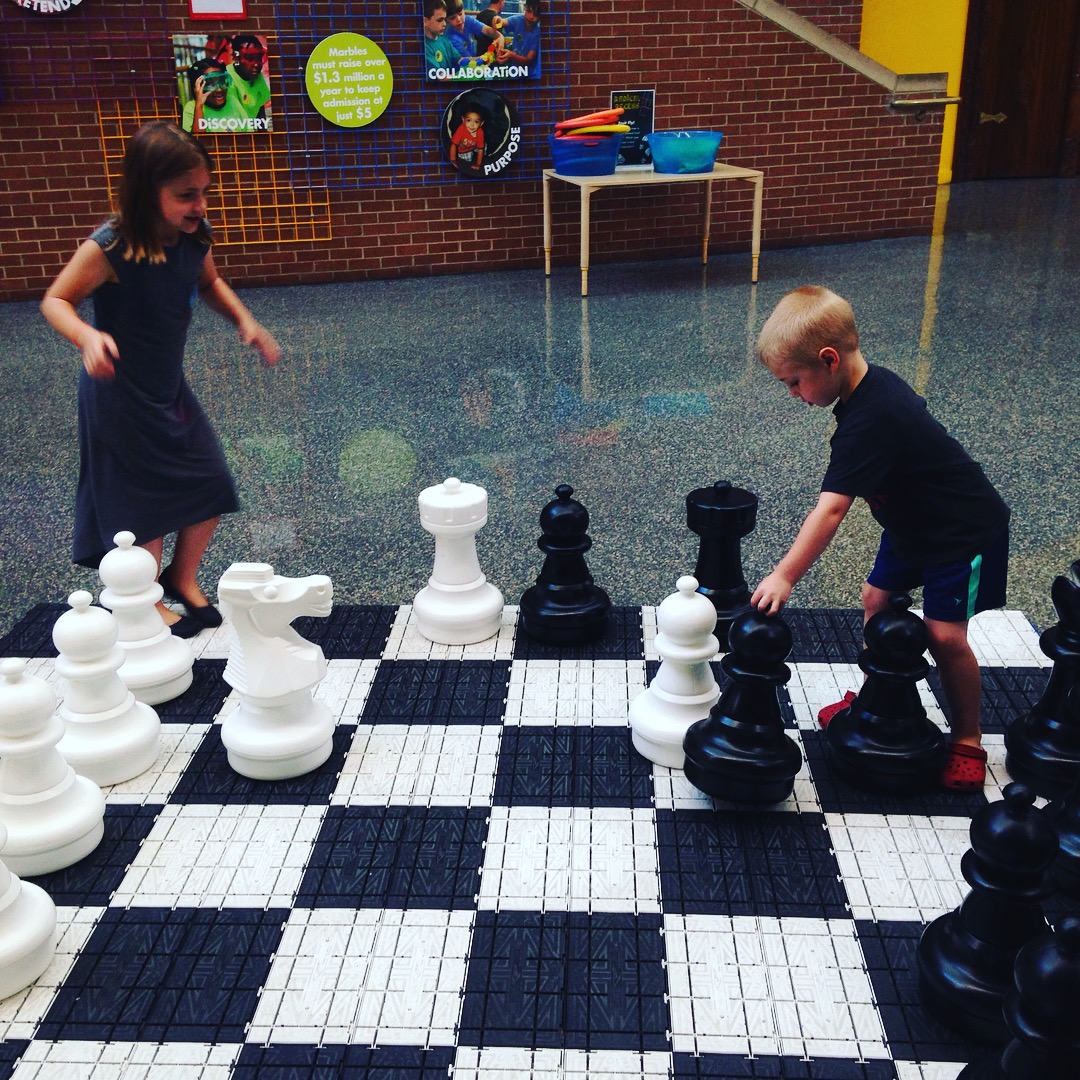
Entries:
{"x":552,"y":838}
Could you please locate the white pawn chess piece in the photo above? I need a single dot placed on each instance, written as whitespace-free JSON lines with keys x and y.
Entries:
{"x":458,"y":605}
{"x":157,"y":665}
{"x":27,"y":929}
{"x":277,"y":729}
{"x":53,"y":817}
{"x":684,"y":689}
{"x":108,"y":735}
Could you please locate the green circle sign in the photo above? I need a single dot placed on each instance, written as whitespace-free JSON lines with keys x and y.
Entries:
{"x":349,"y":80}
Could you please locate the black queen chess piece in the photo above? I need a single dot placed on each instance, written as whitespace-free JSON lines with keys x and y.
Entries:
{"x":1043,"y":747}
{"x":721,"y":516}
{"x":565,"y":606}
{"x":740,"y":752}
{"x":966,"y":957}
{"x":1040,"y":1012}
{"x":884,"y":742}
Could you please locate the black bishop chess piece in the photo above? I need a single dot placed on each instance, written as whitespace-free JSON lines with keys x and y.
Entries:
{"x":1040,"y":1012}
{"x":565,"y":606}
{"x":722,"y":515}
{"x":885,"y":742}
{"x":740,"y":752}
{"x":1044,"y":746}
{"x":966,"y":957}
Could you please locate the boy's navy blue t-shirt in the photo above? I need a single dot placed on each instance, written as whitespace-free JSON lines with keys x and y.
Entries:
{"x":934,"y":502}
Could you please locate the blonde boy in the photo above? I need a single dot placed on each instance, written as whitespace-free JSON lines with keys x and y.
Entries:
{"x":944,"y":526}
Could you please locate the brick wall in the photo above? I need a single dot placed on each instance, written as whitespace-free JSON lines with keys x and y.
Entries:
{"x":839,"y":164}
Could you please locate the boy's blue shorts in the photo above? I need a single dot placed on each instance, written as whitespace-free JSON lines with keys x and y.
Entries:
{"x":952,"y":592}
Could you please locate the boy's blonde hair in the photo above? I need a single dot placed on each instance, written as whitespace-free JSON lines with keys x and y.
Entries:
{"x":805,"y":322}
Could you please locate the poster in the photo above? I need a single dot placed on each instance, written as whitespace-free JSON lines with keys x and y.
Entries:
{"x":501,"y":40}
{"x":481,"y":134}
{"x":223,"y":83}
{"x":637,"y":106}
{"x":349,"y":80}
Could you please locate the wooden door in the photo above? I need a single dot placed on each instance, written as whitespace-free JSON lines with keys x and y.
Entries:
{"x":1018,"y":77}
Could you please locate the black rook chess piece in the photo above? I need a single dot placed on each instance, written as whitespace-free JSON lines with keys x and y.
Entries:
{"x":722,"y":515}
{"x":1044,"y":746}
{"x":564,"y":607}
{"x":1040,"y":1012}
{"x":740,"y":752}
{"x":966,"y":957}
{"x":885,"y":742}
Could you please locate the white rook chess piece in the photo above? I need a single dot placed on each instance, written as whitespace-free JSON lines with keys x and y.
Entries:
{"x":277,"y":729}
{"x":27,"y":929}
{"x":458,"y":605}
{"x":684,"y":689}
{"x":53,"y":817}
{"x":157,"y":665}
{"x":108,"y":735}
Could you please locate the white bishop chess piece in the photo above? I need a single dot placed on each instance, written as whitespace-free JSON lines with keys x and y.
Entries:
{"x":458,"y":605}
{"x":277,"y":729}
{"x":27,"y":929}
{"x":53,"y":817}
{"x":157,"y":665}
{"x":108,"y":735}
{"x":684,"y":689}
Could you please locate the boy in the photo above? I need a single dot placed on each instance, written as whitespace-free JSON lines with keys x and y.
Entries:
{"x":249,"y":84}
{"x":467,"y":144}
{"x":470,"y":37}
{"x":944,"y":525}
{"x":523,"y":32}
{"x":440,"y":56}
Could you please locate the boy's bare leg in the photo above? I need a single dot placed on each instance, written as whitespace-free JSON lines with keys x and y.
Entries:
{"x":874,"y":600}
{"x":960,"y":677}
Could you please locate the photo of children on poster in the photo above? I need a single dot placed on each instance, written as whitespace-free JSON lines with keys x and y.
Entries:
{"x":478,"y":41}
{"x":480,"y":133}
{"x":223,"y":83}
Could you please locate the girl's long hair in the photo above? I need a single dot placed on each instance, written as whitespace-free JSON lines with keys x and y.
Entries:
{"x":157,"y":153}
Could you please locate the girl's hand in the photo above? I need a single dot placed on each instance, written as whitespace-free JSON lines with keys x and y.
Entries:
{"x":99,"y":353}
{"x":201,"y":93}
{"x":261,"y":338}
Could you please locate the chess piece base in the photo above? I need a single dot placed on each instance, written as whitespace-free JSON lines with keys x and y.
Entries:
{"x":278,"y":742}
{"x":27,"y":935}
{"x":458,"y":616}
{"x":113,"y":749}
{"x":569,"y":624}
{"x":659,"y":725}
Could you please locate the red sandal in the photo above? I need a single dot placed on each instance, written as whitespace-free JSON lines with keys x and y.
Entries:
{"x":965,"y":768}
{"x":830,"y":711}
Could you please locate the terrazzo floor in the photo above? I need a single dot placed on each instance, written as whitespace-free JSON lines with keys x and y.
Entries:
{"x":635,"y":396}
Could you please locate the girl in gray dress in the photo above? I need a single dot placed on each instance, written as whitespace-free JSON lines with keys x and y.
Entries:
{"x":149,"y":460}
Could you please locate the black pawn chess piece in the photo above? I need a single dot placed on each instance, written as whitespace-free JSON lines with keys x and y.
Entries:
{"x":1040,"y":1012}
{"x":722,"y":515}
{"x":885,"y":742}
{"x":564,"y":607}
{"x":1064,"y":815}
{"x":1044,"y":746}
{"x":740,"y":752}
{"x":966,"y":956}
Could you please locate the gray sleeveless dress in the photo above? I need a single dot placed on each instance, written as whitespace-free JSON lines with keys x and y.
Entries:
{"x":149,"y":460}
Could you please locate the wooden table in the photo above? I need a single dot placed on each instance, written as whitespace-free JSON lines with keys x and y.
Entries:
{"x":642,"y":178}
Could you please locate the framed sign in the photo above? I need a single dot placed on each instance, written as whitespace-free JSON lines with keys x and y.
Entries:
{"x":638,"y":108}
{"x":218,"y":9}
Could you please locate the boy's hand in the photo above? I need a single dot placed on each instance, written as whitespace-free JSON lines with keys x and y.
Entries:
{"x":772,"y":594}
{"x":260,"y":338}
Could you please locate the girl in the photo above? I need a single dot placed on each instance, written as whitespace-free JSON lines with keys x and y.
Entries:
{"x":150,"y":462}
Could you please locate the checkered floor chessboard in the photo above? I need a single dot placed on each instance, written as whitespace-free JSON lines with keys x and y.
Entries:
{"x":485,"y":880}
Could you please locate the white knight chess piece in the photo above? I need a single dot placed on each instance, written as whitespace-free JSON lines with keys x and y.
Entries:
{"x":277,"y":730}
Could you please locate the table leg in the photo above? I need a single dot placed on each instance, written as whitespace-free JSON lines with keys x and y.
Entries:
{"x":755,"y":243}
{"x":705,"y":230}
{"x":547,"y":225}
{"x":586,"y":195}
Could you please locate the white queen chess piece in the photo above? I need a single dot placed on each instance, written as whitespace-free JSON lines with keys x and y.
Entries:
{"x":684,"y":689}
{"x":157,"y":666}
{"x":277,"y":729}
{"x":27,"y":929}
{"x":53,"y":817}
{"x":108,"y":735}
{"x":458,"y":605}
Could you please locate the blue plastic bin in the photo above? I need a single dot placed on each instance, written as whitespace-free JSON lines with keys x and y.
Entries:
{"x":586,"y":157}
{"x":684,"y":151}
